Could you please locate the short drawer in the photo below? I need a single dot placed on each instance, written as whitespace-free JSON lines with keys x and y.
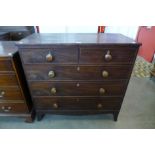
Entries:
{"x":78,"y":88}
{"x":8,"y":80}
{"x":6,"y":65}
{"x":13,"y":108}
{"x":10,"y":93}
{"x":67,"y":55}
{"x":51,"y":72}
{"x":107,"y":55}
{"x":69,"y":103}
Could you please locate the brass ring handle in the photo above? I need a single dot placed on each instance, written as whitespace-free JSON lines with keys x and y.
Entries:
{"x":55,"y":106}
{"x":53,"y":90}
{"x":108,"y":56}
{"x":102,"y":91}
{"x":99,"y":106}
{"x":49,"y":57}
{"x":51,"y":74}
{"x":105,"y":74}
{"x":2,"y":93}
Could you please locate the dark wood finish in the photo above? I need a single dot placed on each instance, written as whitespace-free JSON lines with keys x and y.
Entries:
{"x":7,"y":50}
{"x":13,"y":108}
{"x":115,"y":114}
{"x":19,"y":35}
{"x":77,"y":103}
{"x":30,"y":118}
{"x":97,"y":55}
{"x":113,"y":88}
{"x":22,"y":81}
{"x":8,"y":79}
{"x":93,"y":80}
{"x":82,"y":39}
{"x":59,"y":55}
{"x":40,"y":72}
{"x":13,"y":93}
{"x":4,"y":36}
{"x":15,"y":33}
{"x":6,"y":65}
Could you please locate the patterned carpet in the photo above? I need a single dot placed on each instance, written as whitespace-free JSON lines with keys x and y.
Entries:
{"x":142,"y":68}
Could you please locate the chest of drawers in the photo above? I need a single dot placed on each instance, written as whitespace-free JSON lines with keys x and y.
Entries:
{"x":15,"y":99}
{"x":77,"y":73}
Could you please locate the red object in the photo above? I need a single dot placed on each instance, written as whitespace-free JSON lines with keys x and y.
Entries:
{"x":37,"y":27}
{"x":146,"y":36}
{"x":101,"y":29}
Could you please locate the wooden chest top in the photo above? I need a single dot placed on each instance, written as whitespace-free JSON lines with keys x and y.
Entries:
{"x":7,"y":48}
{"x":77,"y":38}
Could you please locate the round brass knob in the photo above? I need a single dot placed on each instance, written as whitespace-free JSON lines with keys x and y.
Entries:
{"x":53,"y":90}
{"x":77,"y":85}
{"x":55,"y":105}
{"x":49,"y":57}
{"x":78,"y":68}
{"x":51,"y":74}
{"x":3,"y":108}
{"x":108,"y":56}
{"x":9,"y":108}
{"x":102,"y":91}
{"x":99,"y":106}
{"x":105,"y":74}
{"x":2,"y":93}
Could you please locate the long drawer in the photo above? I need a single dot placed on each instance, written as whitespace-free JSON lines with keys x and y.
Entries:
{"x":71,"y":103}
{"x":8,"y":80}
{"x":113,"y":88}
{"x":102,"y":55}
{"x":66,"y":54}
{"x":52,"y":72}
{"x":13,"y":108}
{"x":10,"y":93}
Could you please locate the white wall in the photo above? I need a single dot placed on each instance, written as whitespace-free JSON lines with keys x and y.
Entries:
{"x":130,"y":31}
{"x":68,"y":29}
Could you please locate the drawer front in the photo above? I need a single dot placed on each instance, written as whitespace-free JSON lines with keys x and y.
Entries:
{"x":13,"y":108}
{"x":51,"y":72}
{"x":78,"y":88}
{"x":52,"y":55}
{"x":6,"y":65}
{"x":107,"y":55}
{"x":8,"y":80}
{"x":10,"y":93}
{"x":55,"y":103}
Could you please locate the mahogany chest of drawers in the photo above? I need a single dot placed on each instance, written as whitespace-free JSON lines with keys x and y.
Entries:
{"x":15,"y":99}
{"x":77,"y":73}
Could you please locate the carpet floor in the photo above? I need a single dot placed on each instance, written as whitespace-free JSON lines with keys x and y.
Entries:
{"x":142,"y":68}
{"x":137,"y":112}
